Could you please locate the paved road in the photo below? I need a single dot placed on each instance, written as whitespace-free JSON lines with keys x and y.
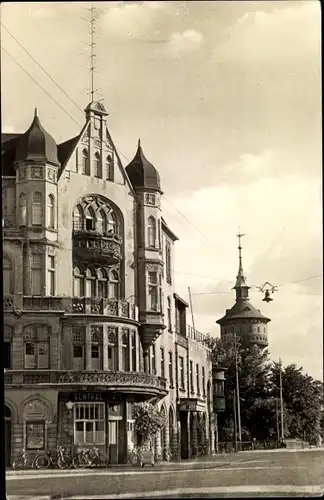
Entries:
{"x":263,"y":473}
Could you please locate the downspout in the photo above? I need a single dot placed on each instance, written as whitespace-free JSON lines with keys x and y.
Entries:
{"x":178,"y":401}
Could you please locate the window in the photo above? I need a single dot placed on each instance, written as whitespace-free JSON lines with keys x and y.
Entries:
{"x":150,"y":199}
{"x":36,"y":274}
{"x":22,"y":210}
{"x":170,"y":369}
{"x":258,"y":329}
{"x":197,"y":379}
{"x":50,"y":212}
{"x":133,"y":345}
{"x":203,"y":380}
{"x":37,"y":209}
{"x":112,"y":351}
{"x":168,"y":270}
{"x":162,"y":362}
{"x":96,"y":348}
{"x":90,"y":219}
{"x":90,"y":283}
{"x":181,"y":368}
{"x":78,"y":283}
{"x":153,"y":291}
{"x":35,"y":435}
{"x":151,"y":232}
{"x":153,"y":359}
{"x":109,"y":167}
{"x":78,"y":341}
{"x":102,"y":222}
{"x":50,"y":275}
{"x":7,"y":347}
{"x":169,"y":315}
{"x":7,"y":276}
{"x":77,"y":219}
{"x":113,"y":285}
{"x":125,"y":351}
{"x":102,"y":283}
{"x":191,"y":377}
{"x":89,"y":423}
{"x":84,"y":162}
{"x":97,"y":165}
{"x":36,"y":347}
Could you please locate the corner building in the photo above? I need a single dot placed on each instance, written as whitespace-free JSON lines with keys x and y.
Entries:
{"x":92,"y":323}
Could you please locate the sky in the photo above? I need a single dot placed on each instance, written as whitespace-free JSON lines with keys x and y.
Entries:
{"x":226,"y":98}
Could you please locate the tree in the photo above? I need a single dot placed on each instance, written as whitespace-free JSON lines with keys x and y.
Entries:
{"x":303,"y":397}
{"x":148,"y":421}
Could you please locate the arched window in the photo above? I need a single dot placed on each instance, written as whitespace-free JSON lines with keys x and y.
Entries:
{"x":22,"y":210}
{"x":36,"y":347}
{"x":7,"y":276}
{"x":111,"y":223}
{"x":102,"y":283}
{"x":151,"y":232}
{"x":96,"y":348}
{"x":90,"y":219}
{"x":102,"y":222}
{"x":90,"y":283}
{"x":109,"y":168}
{"x":125,"y":352}
{"x":37,"y":209}
{"x":84,"y":162}
{"x":97,"y":165}
{"x":50,"y":212}
{"x":77,"y":218}
{"x":78,"y":283}
{"x":112,"y":351}
{"x":113,"y":285}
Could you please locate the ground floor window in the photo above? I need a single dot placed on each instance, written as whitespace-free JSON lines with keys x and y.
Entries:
{"x":89,"y":423}
{"x":35,"y":435}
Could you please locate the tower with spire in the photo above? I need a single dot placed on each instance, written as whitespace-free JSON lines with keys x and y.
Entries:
{"x":243,"y":319}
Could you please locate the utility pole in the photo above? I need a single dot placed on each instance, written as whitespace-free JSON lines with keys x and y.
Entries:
{"x":237,"y":394}
{"x":192,"y":314}
{"x":277,"y":421}
{"x":281,"y":403}
{"x":235,"y":420}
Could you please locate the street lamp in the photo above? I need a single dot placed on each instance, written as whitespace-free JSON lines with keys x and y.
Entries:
{"x":69,"y":405}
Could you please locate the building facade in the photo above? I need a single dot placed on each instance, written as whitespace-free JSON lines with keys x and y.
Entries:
{"x":92,"y":323}
{"x":243,"y":319}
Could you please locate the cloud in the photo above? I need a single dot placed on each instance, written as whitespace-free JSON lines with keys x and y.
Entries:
{"x":185,"y":41}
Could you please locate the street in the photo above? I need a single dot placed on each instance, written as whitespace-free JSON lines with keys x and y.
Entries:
{"x":248,"y":473}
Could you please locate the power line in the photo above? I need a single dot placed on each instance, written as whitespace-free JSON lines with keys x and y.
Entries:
{"x":41,"y":67}
{"x":39,"y":85}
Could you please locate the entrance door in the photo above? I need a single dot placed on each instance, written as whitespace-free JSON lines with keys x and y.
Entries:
{"x":113,"y":441}
{"x":7,"y":436}
{"x":184,"y":434}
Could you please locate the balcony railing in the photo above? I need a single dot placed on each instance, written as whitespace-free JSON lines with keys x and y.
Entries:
{"x":90,"y":245}
{"x":82,"y":305}
{"x":193,"y":334}
{"x":63,"y":378}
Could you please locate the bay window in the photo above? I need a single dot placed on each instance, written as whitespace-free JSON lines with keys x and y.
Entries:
{"x":125,"y":350}
{"x":37,"y":209}
{"x":112,"y":350}
{"x":151,"y":232}
{"x":36,"y":274}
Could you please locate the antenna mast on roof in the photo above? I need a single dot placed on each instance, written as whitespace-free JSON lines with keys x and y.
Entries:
{"x":93,"y":56}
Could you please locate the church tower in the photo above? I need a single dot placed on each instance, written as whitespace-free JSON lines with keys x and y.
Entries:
{"x":243,"y":318}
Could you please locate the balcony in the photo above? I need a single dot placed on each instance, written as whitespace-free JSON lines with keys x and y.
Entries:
{"x":122,"y":382}
{"x":90,"y":246}
{"x":82,"y":305}
{"x":193,"y":334}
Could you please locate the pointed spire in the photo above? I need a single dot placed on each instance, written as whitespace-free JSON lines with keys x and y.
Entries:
{"x":139,"y":143}
{"x":241,"y":285}
{"x":36,"y":113}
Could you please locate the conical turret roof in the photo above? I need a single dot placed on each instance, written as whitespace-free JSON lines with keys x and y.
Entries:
{"x":142,"y":173}
{"x":36,"y":144}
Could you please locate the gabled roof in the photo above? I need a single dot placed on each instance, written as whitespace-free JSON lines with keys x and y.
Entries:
{"x":65,"y":149}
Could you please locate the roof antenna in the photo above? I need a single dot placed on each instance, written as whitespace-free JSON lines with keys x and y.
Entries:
{"x":92,"y":57}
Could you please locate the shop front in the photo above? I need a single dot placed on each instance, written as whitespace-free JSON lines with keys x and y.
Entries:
{"x":98,"y":419}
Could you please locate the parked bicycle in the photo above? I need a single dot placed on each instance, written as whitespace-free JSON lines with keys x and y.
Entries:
{"x":61,"y":460}
{"x":89,"y":457}
{"x":23,"y":461}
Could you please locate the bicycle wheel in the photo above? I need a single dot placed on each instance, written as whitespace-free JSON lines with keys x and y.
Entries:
{"x":78,"y":463}
{"x":64,"y":462}
{"x":18,"y":464}
{"x":42,"y":462}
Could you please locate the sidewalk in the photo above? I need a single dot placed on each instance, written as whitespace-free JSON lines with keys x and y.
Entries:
{"x":220,"y":459}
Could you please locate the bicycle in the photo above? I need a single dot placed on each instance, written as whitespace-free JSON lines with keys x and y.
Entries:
{"x":81,"y":459}
{"x":61,"y":460}
{"x":23,"y":458}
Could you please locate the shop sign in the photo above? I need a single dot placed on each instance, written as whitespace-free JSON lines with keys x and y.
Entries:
{"x":88,"y":396}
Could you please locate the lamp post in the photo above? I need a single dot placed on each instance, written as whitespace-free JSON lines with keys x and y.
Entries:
{"x":69,"y":407}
